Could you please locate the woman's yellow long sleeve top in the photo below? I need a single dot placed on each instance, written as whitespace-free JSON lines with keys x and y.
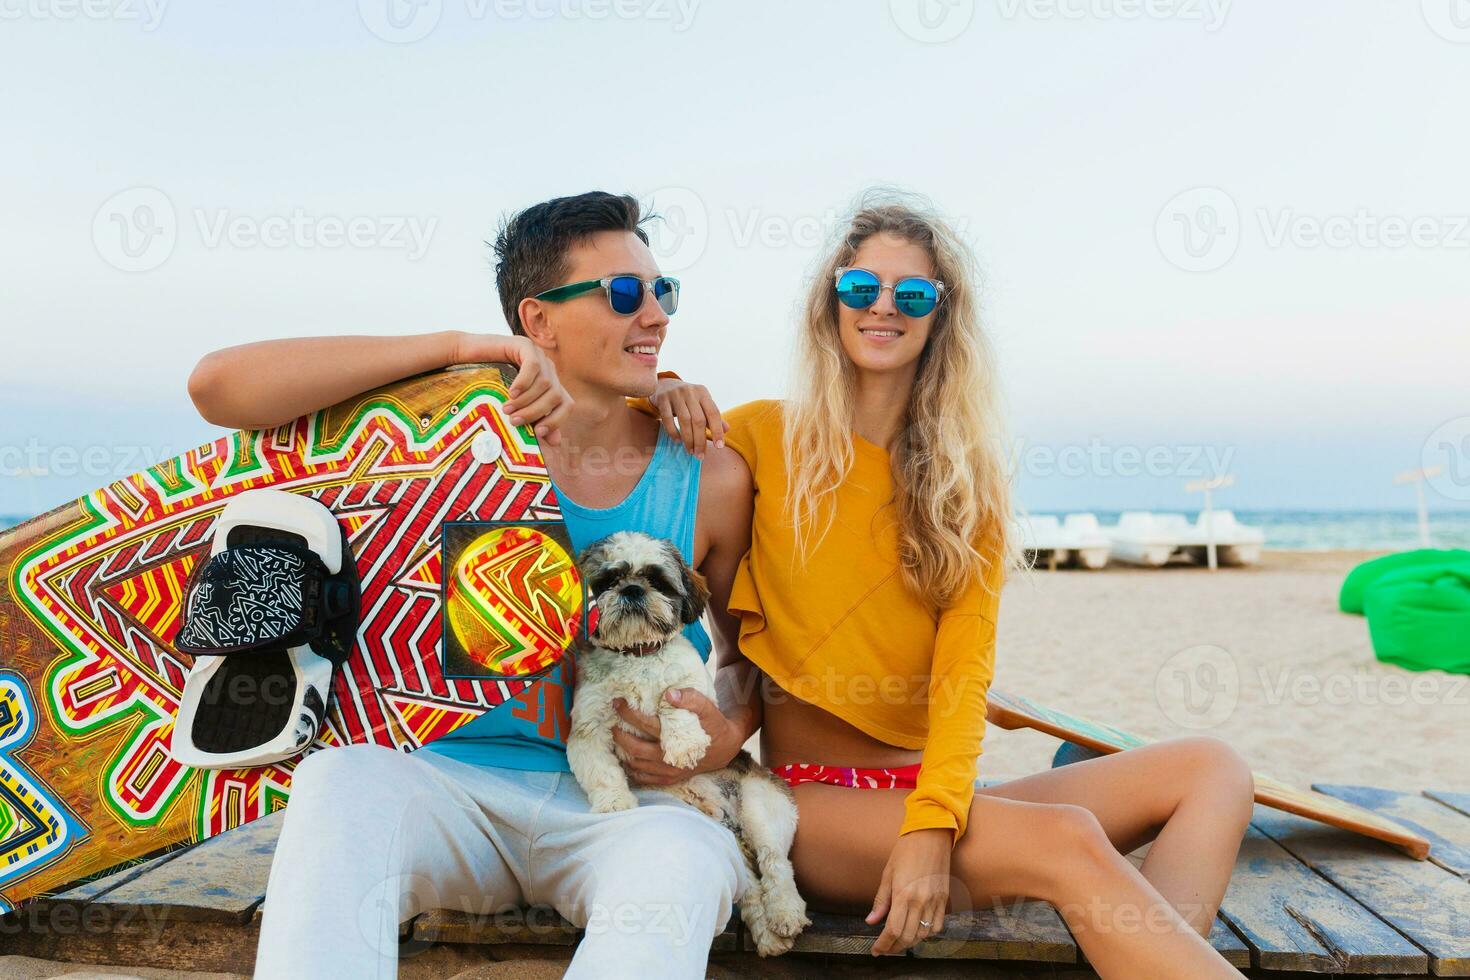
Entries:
{"x":839,"y":628}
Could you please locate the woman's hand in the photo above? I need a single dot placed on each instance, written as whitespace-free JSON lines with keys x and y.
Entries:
{"x":537,"y":397}
{"x":644,"y":756}
{"x":686,"y":410}
{"x":914,"y":890}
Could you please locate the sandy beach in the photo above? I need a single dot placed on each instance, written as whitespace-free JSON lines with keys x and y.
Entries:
{"x":1263,"y":655}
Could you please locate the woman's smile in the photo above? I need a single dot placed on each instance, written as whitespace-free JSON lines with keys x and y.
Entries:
{"x":881,"y":335}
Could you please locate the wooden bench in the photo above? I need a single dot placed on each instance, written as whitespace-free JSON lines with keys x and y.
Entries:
{"x":1304,"y":898}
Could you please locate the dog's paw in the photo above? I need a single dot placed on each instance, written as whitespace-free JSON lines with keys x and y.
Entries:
{"x":786,"y":917}
{"x":611,"y":801}
{"x":684,"y":749}
{"x":768,"y":942}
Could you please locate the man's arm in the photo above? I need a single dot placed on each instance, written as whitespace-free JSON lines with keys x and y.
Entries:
{"x":726,"y":502}
{"x":269,"y":383}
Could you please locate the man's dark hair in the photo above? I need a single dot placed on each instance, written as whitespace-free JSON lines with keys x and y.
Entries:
{"x":531,"y":248}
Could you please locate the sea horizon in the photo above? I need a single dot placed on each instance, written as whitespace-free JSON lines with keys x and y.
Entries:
{"x":1286,"y":528}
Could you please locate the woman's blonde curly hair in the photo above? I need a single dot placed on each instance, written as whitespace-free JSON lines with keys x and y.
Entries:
{"x":952,"y":487}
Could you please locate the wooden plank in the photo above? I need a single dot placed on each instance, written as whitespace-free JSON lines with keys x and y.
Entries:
{"x":1229,"y":945}
{"x":535,"y":926}
{"x":1020,"y":931}
{"x":1421,"y":900}
{"x":175,"y":946}
{"x":1292,"y":919}
{"x":222,"y":879}
{"x":1447,"y":830}
{"x":90,"y":890}
{"x":829,"y":933}
{"x":1456,"y":801}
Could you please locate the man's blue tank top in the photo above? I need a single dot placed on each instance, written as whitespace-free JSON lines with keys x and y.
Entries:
{"x":529,"y":731}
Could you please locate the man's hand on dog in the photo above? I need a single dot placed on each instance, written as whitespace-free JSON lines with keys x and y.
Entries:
{"x":644,"y":759}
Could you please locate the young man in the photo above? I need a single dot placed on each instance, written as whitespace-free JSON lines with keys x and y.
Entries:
{"x":490,"y":817}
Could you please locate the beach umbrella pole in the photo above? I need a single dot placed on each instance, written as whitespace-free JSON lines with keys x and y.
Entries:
{"x":1206,"y":515}
{"x":1417,"y":477}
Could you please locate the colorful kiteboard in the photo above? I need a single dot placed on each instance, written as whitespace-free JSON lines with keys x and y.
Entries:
{"x":457,"y":536}
{"x":1011,"y":711}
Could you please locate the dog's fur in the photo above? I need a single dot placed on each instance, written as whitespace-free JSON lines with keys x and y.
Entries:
{"x":645,"y":594}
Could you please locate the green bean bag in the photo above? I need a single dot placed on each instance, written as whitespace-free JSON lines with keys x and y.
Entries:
{"x":1350,"y":599}
{"x":1419,"y":617}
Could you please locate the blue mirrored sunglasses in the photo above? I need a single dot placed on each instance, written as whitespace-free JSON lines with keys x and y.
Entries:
{"x":624,"y":293}
{"x":913,"y":296}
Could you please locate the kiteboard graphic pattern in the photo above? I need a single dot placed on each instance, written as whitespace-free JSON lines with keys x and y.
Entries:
{"x":513,"y":602}
{"x":95,"y":590}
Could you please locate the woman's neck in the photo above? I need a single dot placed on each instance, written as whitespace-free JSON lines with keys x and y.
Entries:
{"x":879,"y":403}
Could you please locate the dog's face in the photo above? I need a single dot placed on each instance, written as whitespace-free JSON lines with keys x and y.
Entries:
{"x":644,"y":590}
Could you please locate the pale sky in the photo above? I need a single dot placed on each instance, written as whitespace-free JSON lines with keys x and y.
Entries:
{"x":1214,"y":235}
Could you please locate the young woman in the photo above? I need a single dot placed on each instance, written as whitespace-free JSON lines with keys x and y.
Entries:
{"x":869,"y":600}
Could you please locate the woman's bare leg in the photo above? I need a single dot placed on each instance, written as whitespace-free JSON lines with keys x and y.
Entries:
{"x":1053,"y":852}
{"x":1191,"y":796}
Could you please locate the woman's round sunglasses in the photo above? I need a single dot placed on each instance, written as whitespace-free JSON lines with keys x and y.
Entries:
{"x":624,"y":293}
{"x":914,"y":296}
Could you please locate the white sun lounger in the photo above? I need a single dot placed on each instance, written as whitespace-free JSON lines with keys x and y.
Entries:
{"x":1143,"y":538}
{"x":1042,"y":539}
{"x":1090,"y":547}
{"x":1140,"y":538}
{"x":1054,"y":543}
{"x":1235,"y":543}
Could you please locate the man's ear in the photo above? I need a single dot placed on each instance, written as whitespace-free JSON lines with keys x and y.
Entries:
{"x":536,"y":323}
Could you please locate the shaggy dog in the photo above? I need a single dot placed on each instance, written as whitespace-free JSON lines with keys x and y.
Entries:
{"x":644,"y":594}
